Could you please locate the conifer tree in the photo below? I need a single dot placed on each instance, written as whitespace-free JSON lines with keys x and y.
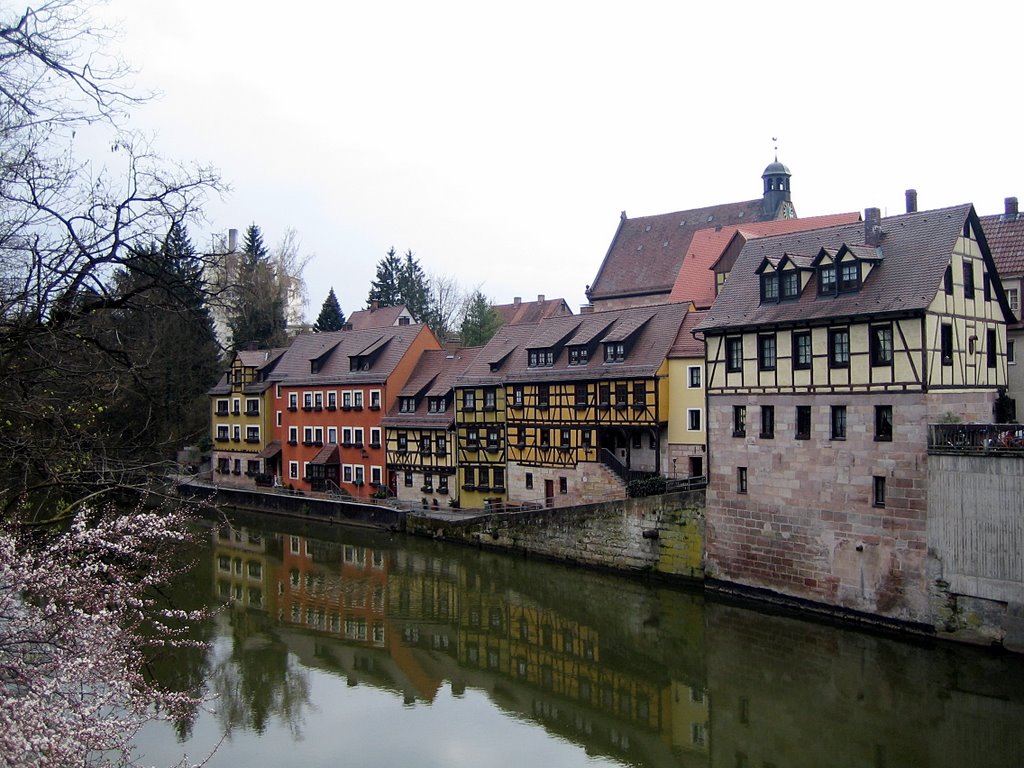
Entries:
{"x":331,"y":317}
{"x":479,"y":321}
{"x":258,"y":298}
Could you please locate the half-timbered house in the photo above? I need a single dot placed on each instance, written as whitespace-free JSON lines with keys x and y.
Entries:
{"x":241,"y":427}
{"x":1005,"y":235}
{"x":420,"y":429}
{"x":829,"y":352}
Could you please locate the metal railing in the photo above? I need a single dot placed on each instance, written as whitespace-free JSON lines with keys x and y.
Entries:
{"x":976,"y":438}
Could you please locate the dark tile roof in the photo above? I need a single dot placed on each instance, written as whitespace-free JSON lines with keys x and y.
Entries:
{"x":531,"y":311}
{"x":433,"y":376}
{"x":1006,"y":241}
{"x":695,"y":280}
{"x":915,"y":249}
{"x":334,"y":350}
{"x":685,"y":344}
{"x":652,"y":330}
{"x":379,"y":317}
{"x":646,"y":253}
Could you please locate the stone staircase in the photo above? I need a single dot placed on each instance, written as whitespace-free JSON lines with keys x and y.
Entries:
{"x":601,"y":484}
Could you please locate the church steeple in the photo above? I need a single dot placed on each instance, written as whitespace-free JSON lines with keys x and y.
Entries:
{"x":777,"y":203}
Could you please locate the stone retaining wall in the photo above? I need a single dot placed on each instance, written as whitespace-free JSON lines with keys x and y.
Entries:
{"x":661,"y":535}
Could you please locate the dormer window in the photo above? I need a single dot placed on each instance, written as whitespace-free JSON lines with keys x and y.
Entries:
{"x":827,"y":279}
{"x":578,"y":355}
{"x":407,"y":404}
{"x":437,"y":405}
{"x":614,"y":352}
{"x":359,"y":363}
{"x":541,"y":358}
{"x":769,"y":287}
{"x":789,"y":284}
{"x":849,"y":276}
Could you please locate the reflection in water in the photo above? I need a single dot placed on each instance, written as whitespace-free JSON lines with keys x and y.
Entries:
{"x":630,"y":673}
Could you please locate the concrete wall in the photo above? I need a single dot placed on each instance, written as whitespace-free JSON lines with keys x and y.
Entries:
{"x":976,"y":547}
{"x":656,"y":535}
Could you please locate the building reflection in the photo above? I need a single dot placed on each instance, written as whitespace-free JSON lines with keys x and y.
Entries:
{"x":409,"y":619}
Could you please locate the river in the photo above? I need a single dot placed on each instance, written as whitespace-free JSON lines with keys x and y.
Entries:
{"x":335,"y":646}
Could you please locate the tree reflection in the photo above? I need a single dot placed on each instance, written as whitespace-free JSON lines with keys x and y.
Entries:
{"x":258,"y":680}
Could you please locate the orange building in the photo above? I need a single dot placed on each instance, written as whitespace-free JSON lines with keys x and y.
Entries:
{"x":330,"y":391}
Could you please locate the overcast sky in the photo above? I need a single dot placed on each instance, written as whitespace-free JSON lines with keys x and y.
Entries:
{"x":500,"y":142}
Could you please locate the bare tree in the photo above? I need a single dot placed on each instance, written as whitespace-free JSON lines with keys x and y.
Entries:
{"x":446,"y":298}
{"x":290,"y":264}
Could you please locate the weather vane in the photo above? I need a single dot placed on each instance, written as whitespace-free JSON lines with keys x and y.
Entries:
{"x":775,"y":141}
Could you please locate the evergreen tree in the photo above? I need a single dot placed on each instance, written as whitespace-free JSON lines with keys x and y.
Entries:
{"x":479,"y":321}
{"x":331,"y":317}
{"x":258,"y":300}
{"x":386,"y":289}
{"x":414,"y":287}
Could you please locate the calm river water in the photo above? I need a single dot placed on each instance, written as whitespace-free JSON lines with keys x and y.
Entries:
{"x":343,"y":647}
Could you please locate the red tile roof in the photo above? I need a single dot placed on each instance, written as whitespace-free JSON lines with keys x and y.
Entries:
{"x":696,"y":281}
{"x":1006,"y":241}
{"x":379,"y":317}
{"x":646,"y":254}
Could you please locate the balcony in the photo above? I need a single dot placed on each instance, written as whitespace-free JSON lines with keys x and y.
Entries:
{"x":976,"y":439}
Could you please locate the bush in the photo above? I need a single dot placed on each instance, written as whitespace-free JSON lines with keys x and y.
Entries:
{"x":646,"y":486}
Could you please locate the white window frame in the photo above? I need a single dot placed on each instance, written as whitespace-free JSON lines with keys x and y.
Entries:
{"x":293,"y":434}
{"x":689,"y":376}
{"x":307,"y":434}
{"x":375,"y":398}
{"x":279,"y":418}
{"x":346,"y":473}
{"x":376,"y":474}
{"x":689,"y":420}
{"x":375,"y":436}
{"x":293,"y":470}
{"x":358,"y":473}
{"x":357,"y":398}
{"x":307,"y":399}
{"x":332,"y":435}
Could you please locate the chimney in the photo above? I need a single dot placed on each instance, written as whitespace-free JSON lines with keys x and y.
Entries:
{"x":540,"y":297}
{"x":872,"y":226}
{"x":517,"y":300}
{"x":1011,"y":207}
{"x":586,"y":309}
{"x":911,"y":201}
{"x":374,"y":305}
{"x":346,"y":327}
{"x":232,"y":240}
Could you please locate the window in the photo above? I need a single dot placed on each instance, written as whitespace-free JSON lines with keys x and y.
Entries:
{"x":566,"y":439}
{"x":482,"y":481}
{"x":968,"y":266}
{"x":741,"y":479}
{"x":694,"y":376}
{"x":332,"y":435}
{"x":428,"y":483}
{"x":222,"y":407}
{"x":803,"y":422}
{"x":529,"y":481}
{"x":473,"y":438}
{"x":543,"y":395}
{"x":767,"y":421}
{"x":332,"y":401}
{"x":236,"y":433}
{"x":839,"y":348}
{"x":490,"y":399}
{"x":493,"y":439}
{"x":769,"y":286}
{"x":403,"y":442}
{"x":346,"y":401}
{"x":252,"y":407}
{"x":614,"y":352}
{"x":946,"y":343}
{"x":991,"y":340}
{"x":881,"y":345}
{"x":252,"y":434}
{"x":236,"y":407}
{"x":374,"y":399}
{"x":408,"y":479}
{"x":375,"y":437}
{"x":469,"y":400}
{"x":801,"y":350}
{"x":280,"y":419}
{"x":375,"y":475}
{"x":621,"y":395}
{"x":293,"y":401}
{"x":407,"y":404}
{"x":293,"y":470}
{"x":357,"y":399}
{"x":789,"y":285}
{"x":358,"y":475}
{"x":639,"y":394}
{"x":578,"y":355}
{"x":883,"y":423}
{"x":849,"y":276}
{"x":581,"y":395}
{"x":437,"y":404}
{"x":878,"y":496}
{"x":425,"y":445}
{"x":545,"y":437}
{"x":540,"y":358}
{"x":947,"y":280}
{"x":442,"y":483}
{"x":739,"y":420}
{"x":693,"y":419}
{"x":838,"y":422}
{"x":293,"y":435}
{"x":307,"y":401}
{"x":517,"y":396}
{"x":1011,"y":358}
{"x":585,"y":438}
{"x":346,"y":436}
{"x":766,"y":352}
{"x":986,"y":285}
{"x":498,"y":478}
{"x":827,"y":279}
{"x":1013,"y":299}
{"x":563,"y":485}
{"x":604,"y":395}
{"x":318,"y":436}
{"x":734,"y":354}
{"x":307,"y":435}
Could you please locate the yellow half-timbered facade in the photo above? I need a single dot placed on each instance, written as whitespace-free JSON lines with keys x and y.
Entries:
{"x":242,"y":428}
{"x":828,"y":353}
{"x":420,"y":431}
{"x":561,"y":411}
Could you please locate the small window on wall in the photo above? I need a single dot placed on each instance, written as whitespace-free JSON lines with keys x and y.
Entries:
{"x":767,"y":421}
{"x":838,"y":422}
{"x":693,"y":419}
{"x":739,"y":421}
{"x":803,"y":422}
{"x":883,"y":423}
{"x":878,"y":495}
{"x":991,"y":340}
{"x":946,"y":344}
{"x":694,"y":376}
{"x":529,"y":481}
{"x":741,"y":479}
{"x":734,"y":355}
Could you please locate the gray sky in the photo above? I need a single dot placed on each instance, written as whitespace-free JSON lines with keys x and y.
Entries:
{"x":500,"y":141}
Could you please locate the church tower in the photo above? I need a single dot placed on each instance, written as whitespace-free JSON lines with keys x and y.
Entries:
{"x":777,"y":203}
